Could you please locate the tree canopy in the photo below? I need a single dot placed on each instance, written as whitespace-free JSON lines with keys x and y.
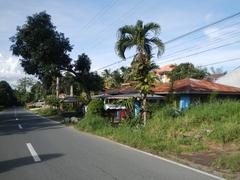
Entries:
{"x":187,"y":70}
{"x":43,"y":50}
{"x":7,"y":97}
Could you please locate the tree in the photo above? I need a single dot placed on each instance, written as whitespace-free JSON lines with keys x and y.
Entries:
{"x":37,"y":91}
{"x":23,"y":90}
{"x":43,"y":50}
{"x":7,"y":97}
{"x":187,"y":70}
{"x":143,"y":37}
{"x":112,"y":79}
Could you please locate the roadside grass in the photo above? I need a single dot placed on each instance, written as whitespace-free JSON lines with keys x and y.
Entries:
{"x":228,"y":161}
{"x":1,"y":108}
{"x":189,"y":132}
{"x":45,"y":111}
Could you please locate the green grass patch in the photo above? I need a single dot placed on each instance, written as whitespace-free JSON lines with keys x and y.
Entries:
{"x":168,"y":131}
{"x":229,"y":161}
{"x":46,"y":111}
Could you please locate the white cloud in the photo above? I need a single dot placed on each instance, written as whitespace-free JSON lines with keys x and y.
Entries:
{"x":10,"y":70}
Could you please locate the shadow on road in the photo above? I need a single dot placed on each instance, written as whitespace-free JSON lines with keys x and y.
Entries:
{"x":29,"y":122}
{"x":24,"y":161}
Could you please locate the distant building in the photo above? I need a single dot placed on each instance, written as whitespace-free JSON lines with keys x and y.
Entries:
{"x":230,"y":79}
{"x":163,"y":71}
{"x":193,"y":91}
{"x":214,"y":77}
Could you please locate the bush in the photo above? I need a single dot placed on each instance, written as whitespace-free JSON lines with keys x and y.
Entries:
{"x":52,"y":100}
{"x":95,"y":107}
{"x":92,"y":122}
{"x":47,"y":112}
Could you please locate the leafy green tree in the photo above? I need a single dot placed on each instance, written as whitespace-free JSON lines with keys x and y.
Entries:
{"x":37,"y":91}
{"x":112,"y":79}
{"x":23,"y":90}
{"x":187,"y":70}
{"x":143,"y":37}
{"x":7,"y":97}
{"x":43,"y":50}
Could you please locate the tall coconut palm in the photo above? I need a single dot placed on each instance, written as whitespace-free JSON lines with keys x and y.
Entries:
{"x":143,"y":37}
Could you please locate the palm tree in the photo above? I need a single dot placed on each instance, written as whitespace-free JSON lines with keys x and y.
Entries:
{"x":143,"y":37}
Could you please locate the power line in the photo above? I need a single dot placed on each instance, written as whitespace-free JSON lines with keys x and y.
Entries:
{"x":220,"y":62}
{"x":99,"y":14}
{"x":210,"y":43}
{"x":126,"y":14}
{"x":181,"y":36}
{"x":201,"y":52}
{"x":204,"y":35}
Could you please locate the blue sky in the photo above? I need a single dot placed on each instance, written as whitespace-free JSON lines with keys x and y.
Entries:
{"x":92,"y":26}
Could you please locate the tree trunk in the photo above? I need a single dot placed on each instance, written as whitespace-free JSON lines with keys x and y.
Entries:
{"x":144,"y":103}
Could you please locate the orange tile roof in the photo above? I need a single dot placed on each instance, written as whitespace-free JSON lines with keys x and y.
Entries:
{"x":166,"y":68}
{"x":191,"y":86}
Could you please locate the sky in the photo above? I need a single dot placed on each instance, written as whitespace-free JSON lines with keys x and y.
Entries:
{"x":91,"y":26}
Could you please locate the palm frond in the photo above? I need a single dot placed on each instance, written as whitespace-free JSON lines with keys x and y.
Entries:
{"x":123,"y":44}
{"x":155,"y":28}
{"x":159,"y":44}
{"x":124,"y":31}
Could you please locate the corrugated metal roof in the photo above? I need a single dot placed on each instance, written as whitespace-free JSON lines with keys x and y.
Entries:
{"x":122,"y":90}
{"x":230,"y":79}
{"x":194,"y":86}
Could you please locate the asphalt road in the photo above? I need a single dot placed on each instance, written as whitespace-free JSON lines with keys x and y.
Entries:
{"x":34,"y":148}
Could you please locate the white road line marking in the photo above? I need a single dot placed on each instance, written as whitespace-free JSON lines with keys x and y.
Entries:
{"x":33,"y":152}
{"x":16,"y":119}
{"x":20,"y":126}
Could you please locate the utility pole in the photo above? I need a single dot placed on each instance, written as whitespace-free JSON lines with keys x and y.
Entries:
{"x":71,"y":90}
{"x":57,"y":87}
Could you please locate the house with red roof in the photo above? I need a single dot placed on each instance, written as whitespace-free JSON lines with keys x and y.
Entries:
{"x":190,"y":90}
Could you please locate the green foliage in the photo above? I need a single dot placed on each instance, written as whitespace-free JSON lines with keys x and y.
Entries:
{"x":187,"y":132}
{"x":228,"y":161}
{"x":7,"y":95}
{"x":95,"y":107}
{"x":43,"y":50}
{"x":23,"y":93}
{"x":139,"y":36}
{"x":67,"y":107}
{"x":93,"y":122}
{"x":47,"y":112}
{"x":37,"y":91}
{"x":187,"y":70}
{"x":52,"y":100}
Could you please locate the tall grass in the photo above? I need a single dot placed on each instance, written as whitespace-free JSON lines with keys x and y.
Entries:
{"x":167,"y":131}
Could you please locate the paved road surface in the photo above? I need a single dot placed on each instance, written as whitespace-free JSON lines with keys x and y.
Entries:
{"x":34,"y":148}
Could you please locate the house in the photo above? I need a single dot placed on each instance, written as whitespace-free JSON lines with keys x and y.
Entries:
{"x":230,"y":79}
{"x":162,"y":73}
{"x":194,"y":91}
{"x":127,"y":91}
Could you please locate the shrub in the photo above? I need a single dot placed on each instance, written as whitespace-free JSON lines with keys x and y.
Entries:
{"x":92,"y":122}
{"x":52,"y":100}
{"x":47,"y":112}
{"x":95,"y":107}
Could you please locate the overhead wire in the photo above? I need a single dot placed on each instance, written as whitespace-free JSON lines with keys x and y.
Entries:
{"x":182,"y":36}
